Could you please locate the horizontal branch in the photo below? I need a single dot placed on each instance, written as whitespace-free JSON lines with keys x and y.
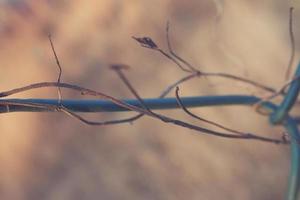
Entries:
{"x":94,"y":105}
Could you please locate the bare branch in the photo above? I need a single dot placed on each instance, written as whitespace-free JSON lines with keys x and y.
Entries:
{"x":188,"y":125}
{"x":143,"y":109}
{"x":177,"y":59}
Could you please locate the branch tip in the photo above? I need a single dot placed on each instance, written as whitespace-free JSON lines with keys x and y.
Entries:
{"x":146,"y":42}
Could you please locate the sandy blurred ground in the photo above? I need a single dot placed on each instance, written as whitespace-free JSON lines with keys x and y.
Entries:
{"x":51,"y":156}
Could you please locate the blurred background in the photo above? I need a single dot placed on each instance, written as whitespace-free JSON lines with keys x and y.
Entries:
{"x":52,"y":156}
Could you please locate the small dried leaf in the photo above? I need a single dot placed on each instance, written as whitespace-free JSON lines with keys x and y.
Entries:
{"x":146,"y":42}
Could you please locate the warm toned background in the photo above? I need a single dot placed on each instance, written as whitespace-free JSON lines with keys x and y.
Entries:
{"x":52,"y":156}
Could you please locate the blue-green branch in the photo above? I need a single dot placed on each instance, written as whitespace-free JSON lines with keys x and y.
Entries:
{"x":94,"y":105}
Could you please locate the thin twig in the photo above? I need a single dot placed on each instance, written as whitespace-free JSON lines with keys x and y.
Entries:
{"x":192,"y":68}
{"x":164,"y":94}
{"x":292,"y":40}
{"x":70,"y":113}
{"x":203,"y":119}
{"x":96,"y":123}
{"x":172,"y":86}
{"x":59,"y":68}
{"x":84,"y":91}
{"x":240,"y":79}
{"x":118,"y":69}
{"x":186,"y":124}
{"x":148,"y":43}
{"x":163,"y":118}
{"x":8,"y":103}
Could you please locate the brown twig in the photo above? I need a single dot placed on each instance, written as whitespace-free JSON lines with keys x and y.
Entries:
{"x":96,"y":123}
{"x":148,"y":43}
{"x":8,"y":103}
{"x":180,"y":103}
{"x":163,"y":118}
{"x":59,"y":68}
{"x":143,"y":109}
{"x":72,"y":114}
{"x":292,"y":40}
{"x":240,"y":79}
{"x":192,"y":68}
{"x":172,"y":86}
{"x":186,"y":124}
{"x":84,"y":91}
{"x":164,"y":94}
{"x":118,"y":69}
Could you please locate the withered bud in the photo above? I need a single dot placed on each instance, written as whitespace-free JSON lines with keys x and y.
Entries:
{"x":146,"y":42}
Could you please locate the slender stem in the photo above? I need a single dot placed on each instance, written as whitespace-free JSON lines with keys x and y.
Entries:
{"x":294,"y":176}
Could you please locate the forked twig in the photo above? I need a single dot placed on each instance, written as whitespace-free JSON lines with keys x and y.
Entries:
{"x":186,"y":124}
{"x":174,"y":57}
{"x":163,"y":95}
{"x":192,"y":68}
{"x":72,"y":114}
{"x":143,"y":109}
{"x":59,"y":68}
{"x":82,"y":90}
{"x":174,"y":85}
{"x":118,"y":69}
{"x":147,"y":42}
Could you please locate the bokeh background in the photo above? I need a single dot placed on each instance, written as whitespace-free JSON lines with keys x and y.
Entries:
{"x":52,"y":156}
